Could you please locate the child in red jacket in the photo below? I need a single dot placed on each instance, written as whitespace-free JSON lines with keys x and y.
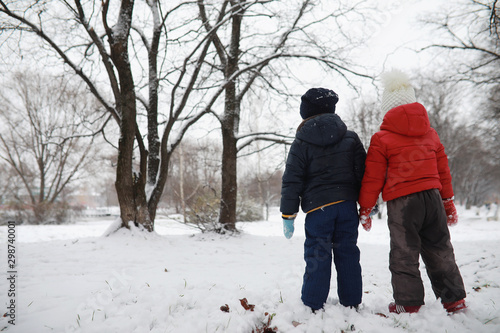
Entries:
{"x":407,"y":163}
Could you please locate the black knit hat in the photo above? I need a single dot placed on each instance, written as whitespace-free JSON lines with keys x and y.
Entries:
{"x":316,"y":101}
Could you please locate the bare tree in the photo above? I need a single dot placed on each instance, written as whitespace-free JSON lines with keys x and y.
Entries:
{"x":255,"y":50}
{"x":105,"y":45}
{"x":9,"y":190}
{"x":475,"y":45}
{"x":491,"y":120}
{"x":119,"y":55}
{"x":195,"y":168}
{"x":491,"y":134}
{"x":475,"y":174}
{"x":474,"y":50}
{"x":264,"y":188}
{"x":46,"y":138}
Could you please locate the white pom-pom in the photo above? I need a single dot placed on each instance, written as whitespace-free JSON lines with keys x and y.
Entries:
{"x":398,"y":90}
{"x":395,"y":80}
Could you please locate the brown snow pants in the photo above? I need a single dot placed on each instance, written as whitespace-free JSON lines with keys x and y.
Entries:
{"x":417,"y":225}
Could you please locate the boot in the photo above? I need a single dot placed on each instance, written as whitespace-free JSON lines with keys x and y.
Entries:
{"x":395,"y":308}
{"x":452,"y":307}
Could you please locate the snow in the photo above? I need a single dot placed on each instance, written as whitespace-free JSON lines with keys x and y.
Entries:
{"x":71,"y":278}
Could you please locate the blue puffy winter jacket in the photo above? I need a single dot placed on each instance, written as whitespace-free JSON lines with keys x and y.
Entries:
{"x":325,"y":164}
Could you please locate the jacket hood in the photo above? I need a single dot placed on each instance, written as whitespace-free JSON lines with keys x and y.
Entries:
{"x":408,"y":119}
{"x":322,"y":130}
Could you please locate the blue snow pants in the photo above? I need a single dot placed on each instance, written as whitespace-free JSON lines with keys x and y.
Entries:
{"x":332,"y":229}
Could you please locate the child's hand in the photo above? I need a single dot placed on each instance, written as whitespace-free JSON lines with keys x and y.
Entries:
{"x":451,"y":212}
{"x":365,"y":218}
{"x":288,"y":228}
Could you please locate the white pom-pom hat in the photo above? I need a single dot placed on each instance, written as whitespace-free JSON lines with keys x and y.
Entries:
{"x":397,"y":90}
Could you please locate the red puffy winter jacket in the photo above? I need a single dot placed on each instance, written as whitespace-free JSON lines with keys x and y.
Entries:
{"x":404,"y":157}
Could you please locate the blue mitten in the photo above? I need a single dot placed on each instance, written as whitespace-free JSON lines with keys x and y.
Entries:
{"x":288,"y":227}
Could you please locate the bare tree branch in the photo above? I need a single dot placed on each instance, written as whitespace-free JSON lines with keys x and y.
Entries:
{"x":33,"y":28}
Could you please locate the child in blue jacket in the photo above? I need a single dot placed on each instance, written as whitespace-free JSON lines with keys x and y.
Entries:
{"x":323,"y":174}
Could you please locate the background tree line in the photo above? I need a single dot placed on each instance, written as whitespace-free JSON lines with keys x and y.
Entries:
{"x":154,"y":74}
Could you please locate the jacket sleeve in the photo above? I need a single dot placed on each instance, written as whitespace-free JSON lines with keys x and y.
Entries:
{"x":444,"y":171}
{"x":293,"y":180}
{"x":359,"y":160}
{"x":375,"y":173}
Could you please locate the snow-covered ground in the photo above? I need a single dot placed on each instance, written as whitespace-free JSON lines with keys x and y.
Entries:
{"x":72,"y":279}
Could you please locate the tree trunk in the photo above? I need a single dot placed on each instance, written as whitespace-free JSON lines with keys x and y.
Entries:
{"x":124,"y":174}
{"x":181,"y":183}
{"x":230,"y":125}
{"x":152,"y":108}
{"x":130,"y":186}
{"x":227,"y":215}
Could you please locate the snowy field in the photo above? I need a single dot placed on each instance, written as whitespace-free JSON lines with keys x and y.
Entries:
{"x":73,"y":279}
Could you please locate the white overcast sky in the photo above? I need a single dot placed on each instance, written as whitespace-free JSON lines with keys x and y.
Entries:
{"x":401,"y":33}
